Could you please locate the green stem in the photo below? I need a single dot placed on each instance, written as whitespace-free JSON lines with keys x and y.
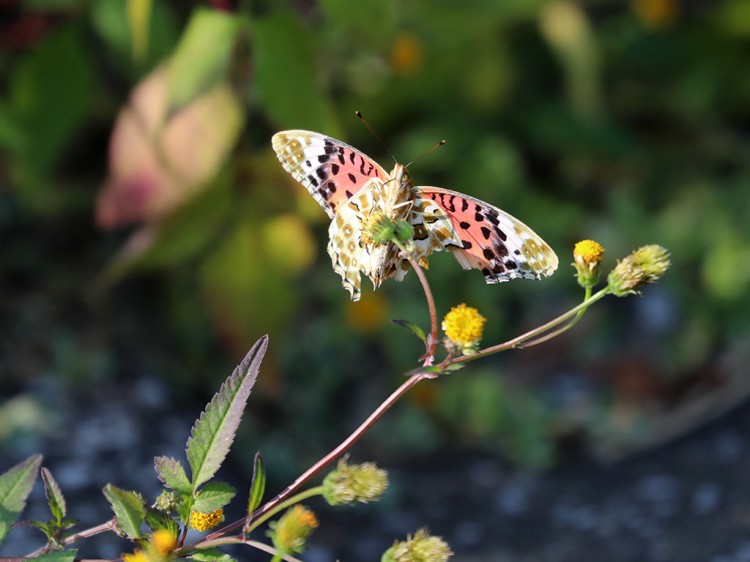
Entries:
{"x":536,"y":332}
{"x":315,"y":491}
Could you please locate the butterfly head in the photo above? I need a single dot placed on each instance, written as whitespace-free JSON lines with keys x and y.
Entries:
{"x":401,"y":176}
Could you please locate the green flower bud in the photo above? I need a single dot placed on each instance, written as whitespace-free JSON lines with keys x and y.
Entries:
{"x":354,"y":483}
{"x":646,"y":265}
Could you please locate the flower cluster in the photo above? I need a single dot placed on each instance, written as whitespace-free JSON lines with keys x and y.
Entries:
{"x":587,"y":255}
{"x":205,"y":521}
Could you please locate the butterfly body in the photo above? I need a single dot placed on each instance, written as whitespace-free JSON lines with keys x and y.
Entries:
{"x":356,"y":192}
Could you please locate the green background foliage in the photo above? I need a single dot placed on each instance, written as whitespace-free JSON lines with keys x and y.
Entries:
{"x":621,"y":121}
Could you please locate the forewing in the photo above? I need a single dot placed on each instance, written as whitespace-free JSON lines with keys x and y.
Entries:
{"x":493,"y":241}
{"x":331,"y":170}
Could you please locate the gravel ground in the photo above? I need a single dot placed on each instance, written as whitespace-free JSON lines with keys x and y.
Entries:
{"x":688,"y":500}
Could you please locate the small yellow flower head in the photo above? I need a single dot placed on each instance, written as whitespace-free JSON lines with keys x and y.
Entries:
{"x":646,"y":265}
{"x":291,"y":531}
{"x":137,"y":556}
{"x":167,"y":501}
{"x":351,"y":483}
{"x":587,"y":256}
{"x":419,"y":548}
{"x":205,"y":521}
{"x":163,"y":541}
{"x":463,"y":326}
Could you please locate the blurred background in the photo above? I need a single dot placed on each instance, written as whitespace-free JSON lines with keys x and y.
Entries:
{"x":148,"y":236}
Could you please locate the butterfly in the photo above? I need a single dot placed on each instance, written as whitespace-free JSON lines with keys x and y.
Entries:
{"x":356,"y":192}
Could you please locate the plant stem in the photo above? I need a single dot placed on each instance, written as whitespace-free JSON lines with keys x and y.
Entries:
{"x":537,"y":332}
{"x":328,"y":458}
{"x":316,"y":491}
{"x":86,"y":533}
{"x":431,"y":343}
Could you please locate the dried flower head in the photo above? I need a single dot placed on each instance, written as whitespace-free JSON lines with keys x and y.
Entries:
{"x":646,"y":265}
{"x":463,"y":326}
{"x":291,"y":531}
{"x":205,"y":521}
{"x":420,"y":548}
{"x":587,"y":255}
{"x":354,"y":483}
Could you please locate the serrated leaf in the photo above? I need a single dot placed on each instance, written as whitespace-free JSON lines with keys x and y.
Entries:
{"x":213,"y":496}
{"x":213,"y":433}
{"x":15,"y":487}
{"x":158,"y":520}
{"x":257,"y":487}
{"x":129,"y":510}
{"x":54,"y":496}
{"x":170,"y":471}
{"x":211,"y":555}
{"x":58,"y":556}
{"x":202,"y":56}
{"x":413,"y":328}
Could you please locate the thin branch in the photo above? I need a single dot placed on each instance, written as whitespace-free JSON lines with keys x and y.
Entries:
{"x":536,"y":332}
{"x":110,"y":525}
{"x":327,"y":459}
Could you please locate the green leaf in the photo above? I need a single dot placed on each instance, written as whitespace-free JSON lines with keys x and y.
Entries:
{"x":58,"y":556}
{"x":413,"y":328}
{"x":214,"y":432}
{"x":170,"y":472}
{"x":202,"y":56}
{"x":257,"y":487}
{"x":158,"y":520}
{"x":213,"y":496}
{"x":129,"y":510}
{"x":211,"y":555}
{"x":285,"y":74}
{"x":51,"y":93}
{"x":15,"y":487}
{"x":54,"y":496}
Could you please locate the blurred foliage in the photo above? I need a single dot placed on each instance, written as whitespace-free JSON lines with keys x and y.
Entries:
{"x":621,"y":121}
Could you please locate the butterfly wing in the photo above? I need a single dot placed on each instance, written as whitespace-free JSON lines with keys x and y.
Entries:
{"x":331,"y":170}
{"x":491,"y":240}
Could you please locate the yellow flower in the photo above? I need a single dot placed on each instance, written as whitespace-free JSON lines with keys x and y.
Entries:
{"x":137,"y":556}
{"x":656,"y":14}
{"x":406,"y":54}
{"x":359,"y":482}
{"x":163,"y":541}
{"x":419,"y":548}
{"x":205,"y":521}
{"x":291,"y":531}
{"x":646,"y":265}
{"x":463,"y":326}
{"x":587,"y":256}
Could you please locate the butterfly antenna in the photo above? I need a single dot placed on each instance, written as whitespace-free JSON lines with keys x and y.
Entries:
{"x":374,"y":134}
{"x":441,"y":143}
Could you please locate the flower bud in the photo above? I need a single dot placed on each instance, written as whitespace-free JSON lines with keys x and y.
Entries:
{"x":291,"y":531}
{"x":354,"y":483}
